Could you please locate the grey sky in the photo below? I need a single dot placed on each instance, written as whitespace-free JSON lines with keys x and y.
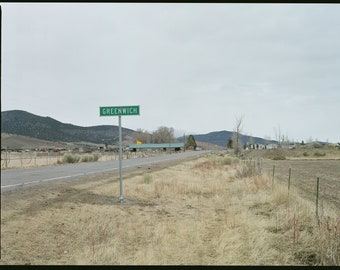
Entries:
{"x":193,"y":67}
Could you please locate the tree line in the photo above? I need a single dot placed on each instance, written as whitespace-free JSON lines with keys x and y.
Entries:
{"x":161,"y":135}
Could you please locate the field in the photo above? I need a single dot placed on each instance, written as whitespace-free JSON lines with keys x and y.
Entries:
{"x":304,"y":174}
{"x":215,"y":210}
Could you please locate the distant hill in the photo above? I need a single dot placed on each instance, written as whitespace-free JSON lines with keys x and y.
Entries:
{"x":14,"y":141}
{"x":221,"y":138}
{"x":46,"y":128}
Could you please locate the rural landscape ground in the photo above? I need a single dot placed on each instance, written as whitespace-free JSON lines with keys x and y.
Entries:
{"x":214,"y":210}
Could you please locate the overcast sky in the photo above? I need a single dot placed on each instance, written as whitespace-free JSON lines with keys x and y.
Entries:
{"x":193,"y":67}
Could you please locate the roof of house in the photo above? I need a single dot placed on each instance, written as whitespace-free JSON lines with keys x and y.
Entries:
{"x":156,"y":145}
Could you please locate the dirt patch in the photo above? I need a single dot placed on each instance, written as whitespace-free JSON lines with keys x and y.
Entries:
{"x":304,"y":174}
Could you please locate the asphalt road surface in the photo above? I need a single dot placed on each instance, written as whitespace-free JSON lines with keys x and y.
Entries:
{"x":14,"y":178}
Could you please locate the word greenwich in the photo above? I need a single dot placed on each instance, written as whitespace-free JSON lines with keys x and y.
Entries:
{"x":119,"y":110}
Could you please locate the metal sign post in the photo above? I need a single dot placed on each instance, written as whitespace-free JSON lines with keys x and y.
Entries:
{"x":119,"y":111}
{"x":121,"y":198}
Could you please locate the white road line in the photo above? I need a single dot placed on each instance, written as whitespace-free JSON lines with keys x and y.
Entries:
{"x":61,"y":177}
{"x":32,"y":182}
{"x":56,"y":178}
{"x":81,"y":174}
{"x":12,"y":185}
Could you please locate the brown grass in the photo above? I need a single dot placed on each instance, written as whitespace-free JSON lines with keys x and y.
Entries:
{"x":198,"y":212}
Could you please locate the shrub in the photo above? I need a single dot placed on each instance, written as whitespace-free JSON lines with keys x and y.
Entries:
{"x":316,"y":145}
{"x":305,"y":154}
{"x":90,"y":157}
{"x":86,"y":158}
{"x":71,"y":158}
{"x":95,"y":156}
{"x":147,"y":178}
{"x":275,"y":154}
{"x":319,"y":154}
{"x":279,"y":154}
{"x":222,"y":160}
{"x":227,"y":160}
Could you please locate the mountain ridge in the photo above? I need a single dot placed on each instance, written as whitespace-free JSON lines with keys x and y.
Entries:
{"x":46,"y":128}
{"x":24,"y":123}
{"x":221,"y":138}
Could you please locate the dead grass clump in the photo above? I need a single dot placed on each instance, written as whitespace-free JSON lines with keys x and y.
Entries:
{"x":246,"y":168}
{"x":261,"y":181}
{"x":215,"y":161}
{"x":328,"y":239}
{"x":227,"y":160}
{"x":173,"y":188}
{"x":279,"y":195}
{"x":312,"y":241}
{"x":276,"y":154}
{"x":207,"y":165}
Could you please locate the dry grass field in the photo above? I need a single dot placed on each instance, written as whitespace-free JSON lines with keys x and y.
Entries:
{"x":215,"y":210}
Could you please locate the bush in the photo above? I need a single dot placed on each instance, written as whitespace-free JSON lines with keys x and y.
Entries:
{"x":316,"y":145}
{"x":278,"y":154}
{"x":319,"y":154}
{"x":305,"y":154}
{"x":223,"y":160}
{"x":95,"y":156}
{"x":71,"y":158}
{"x":86,"y":158}
{"x":90,"y":157}
{"x":228,"y":160}
{"x":275,"y":154}
{"x":147,"y":178}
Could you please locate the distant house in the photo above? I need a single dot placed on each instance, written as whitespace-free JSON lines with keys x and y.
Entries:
{"x":156,"y":146}
{"x":272,"y":146}
{"x":292,"y":146}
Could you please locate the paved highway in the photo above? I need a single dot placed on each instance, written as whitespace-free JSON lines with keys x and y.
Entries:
{"x":14,"y":178}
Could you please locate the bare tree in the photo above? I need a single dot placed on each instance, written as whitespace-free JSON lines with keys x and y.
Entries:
{"x":163,"y":135}
{"x":237,"y":144}
{"x":285,"y":141}
{"x":279,"y":137}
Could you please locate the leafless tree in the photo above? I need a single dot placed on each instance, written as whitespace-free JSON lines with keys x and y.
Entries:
{"x":163,"y":135}
{"x":279,"y":137}
{"x":237,"y":144}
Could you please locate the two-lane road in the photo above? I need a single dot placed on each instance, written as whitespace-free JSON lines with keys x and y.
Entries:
{"x":14,"y":178}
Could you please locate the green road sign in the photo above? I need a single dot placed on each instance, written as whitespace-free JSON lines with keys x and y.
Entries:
{"x":119,"y":110}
